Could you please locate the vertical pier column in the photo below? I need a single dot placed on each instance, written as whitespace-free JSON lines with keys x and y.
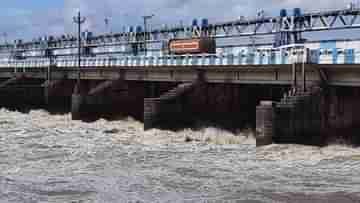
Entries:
{"x":47,"y":87}
{"x":265,"y":123}
{"x":77,"y":100}
{"x":151,"y":112}
{"x":47,"y":94}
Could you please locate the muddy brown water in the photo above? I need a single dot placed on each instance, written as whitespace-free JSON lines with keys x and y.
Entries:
{"x":50,"y":158}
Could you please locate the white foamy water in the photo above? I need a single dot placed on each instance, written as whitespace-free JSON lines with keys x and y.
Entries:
{"x":50,"y":158}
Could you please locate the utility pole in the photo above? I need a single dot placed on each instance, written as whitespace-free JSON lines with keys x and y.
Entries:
{"x":146,"y":18}
{"x":5,"y":38}
{"x":79,"y":20}
{"x":107,"y":22}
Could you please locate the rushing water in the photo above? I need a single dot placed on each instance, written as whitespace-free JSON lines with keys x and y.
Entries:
{"x":50,"y":158}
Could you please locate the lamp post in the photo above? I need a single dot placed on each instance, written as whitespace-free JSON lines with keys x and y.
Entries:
{"x":146,"y":18}
{"x":79,"y":20}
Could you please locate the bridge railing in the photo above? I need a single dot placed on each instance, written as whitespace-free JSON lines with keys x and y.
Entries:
{"x":155,"y":61}
{"x":173,"y":60}
{"x":38,"y":63}
{"x":259,"y":57}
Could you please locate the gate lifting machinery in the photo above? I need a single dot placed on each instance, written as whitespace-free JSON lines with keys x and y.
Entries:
{"x":287,"y":29}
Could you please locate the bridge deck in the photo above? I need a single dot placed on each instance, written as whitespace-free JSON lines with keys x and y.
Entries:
{"x":348,"y":75}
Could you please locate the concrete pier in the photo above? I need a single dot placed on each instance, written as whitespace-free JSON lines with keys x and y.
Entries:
{"x":168,"y":106}
{"x":78,"y":101}
{"x":298,"y":117}
{"x":50,"y":88}
{"x":151,"y":112}
{"x":265,"y":123}
{"x":229,"y":97}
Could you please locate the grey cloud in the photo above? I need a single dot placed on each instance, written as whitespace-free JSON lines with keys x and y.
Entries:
{"x":127,"y":12}
{"x":20,"y":23}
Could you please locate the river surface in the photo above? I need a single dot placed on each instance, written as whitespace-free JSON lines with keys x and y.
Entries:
{"x":50,"y":158}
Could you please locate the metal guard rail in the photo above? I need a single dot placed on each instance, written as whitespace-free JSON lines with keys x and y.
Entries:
{"x":252,"y":58}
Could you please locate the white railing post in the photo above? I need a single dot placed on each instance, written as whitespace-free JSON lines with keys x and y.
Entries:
{"x":23,"y":66}
{"x":13,"y":65}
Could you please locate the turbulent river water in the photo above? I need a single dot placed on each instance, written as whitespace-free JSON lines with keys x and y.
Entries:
{"x":50,"y":158}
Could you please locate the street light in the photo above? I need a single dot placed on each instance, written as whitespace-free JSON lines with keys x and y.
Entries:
{"x":79,"y":20}
{"x":146,"y":18}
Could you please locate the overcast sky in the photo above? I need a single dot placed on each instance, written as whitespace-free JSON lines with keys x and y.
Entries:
{"x":33,"y":18}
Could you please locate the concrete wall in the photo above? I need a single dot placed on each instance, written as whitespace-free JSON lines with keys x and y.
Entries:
{"x":299,"y":118}
{"x":119,"y":100}
{"x":230,"y":105}
{"x":319,"y":117}
{"x":330,"y":114}
{"x":23,"y":92}
{"x":341,"y":114}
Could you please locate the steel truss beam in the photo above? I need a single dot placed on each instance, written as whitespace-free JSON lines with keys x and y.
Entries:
{"x":310,"y":22}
